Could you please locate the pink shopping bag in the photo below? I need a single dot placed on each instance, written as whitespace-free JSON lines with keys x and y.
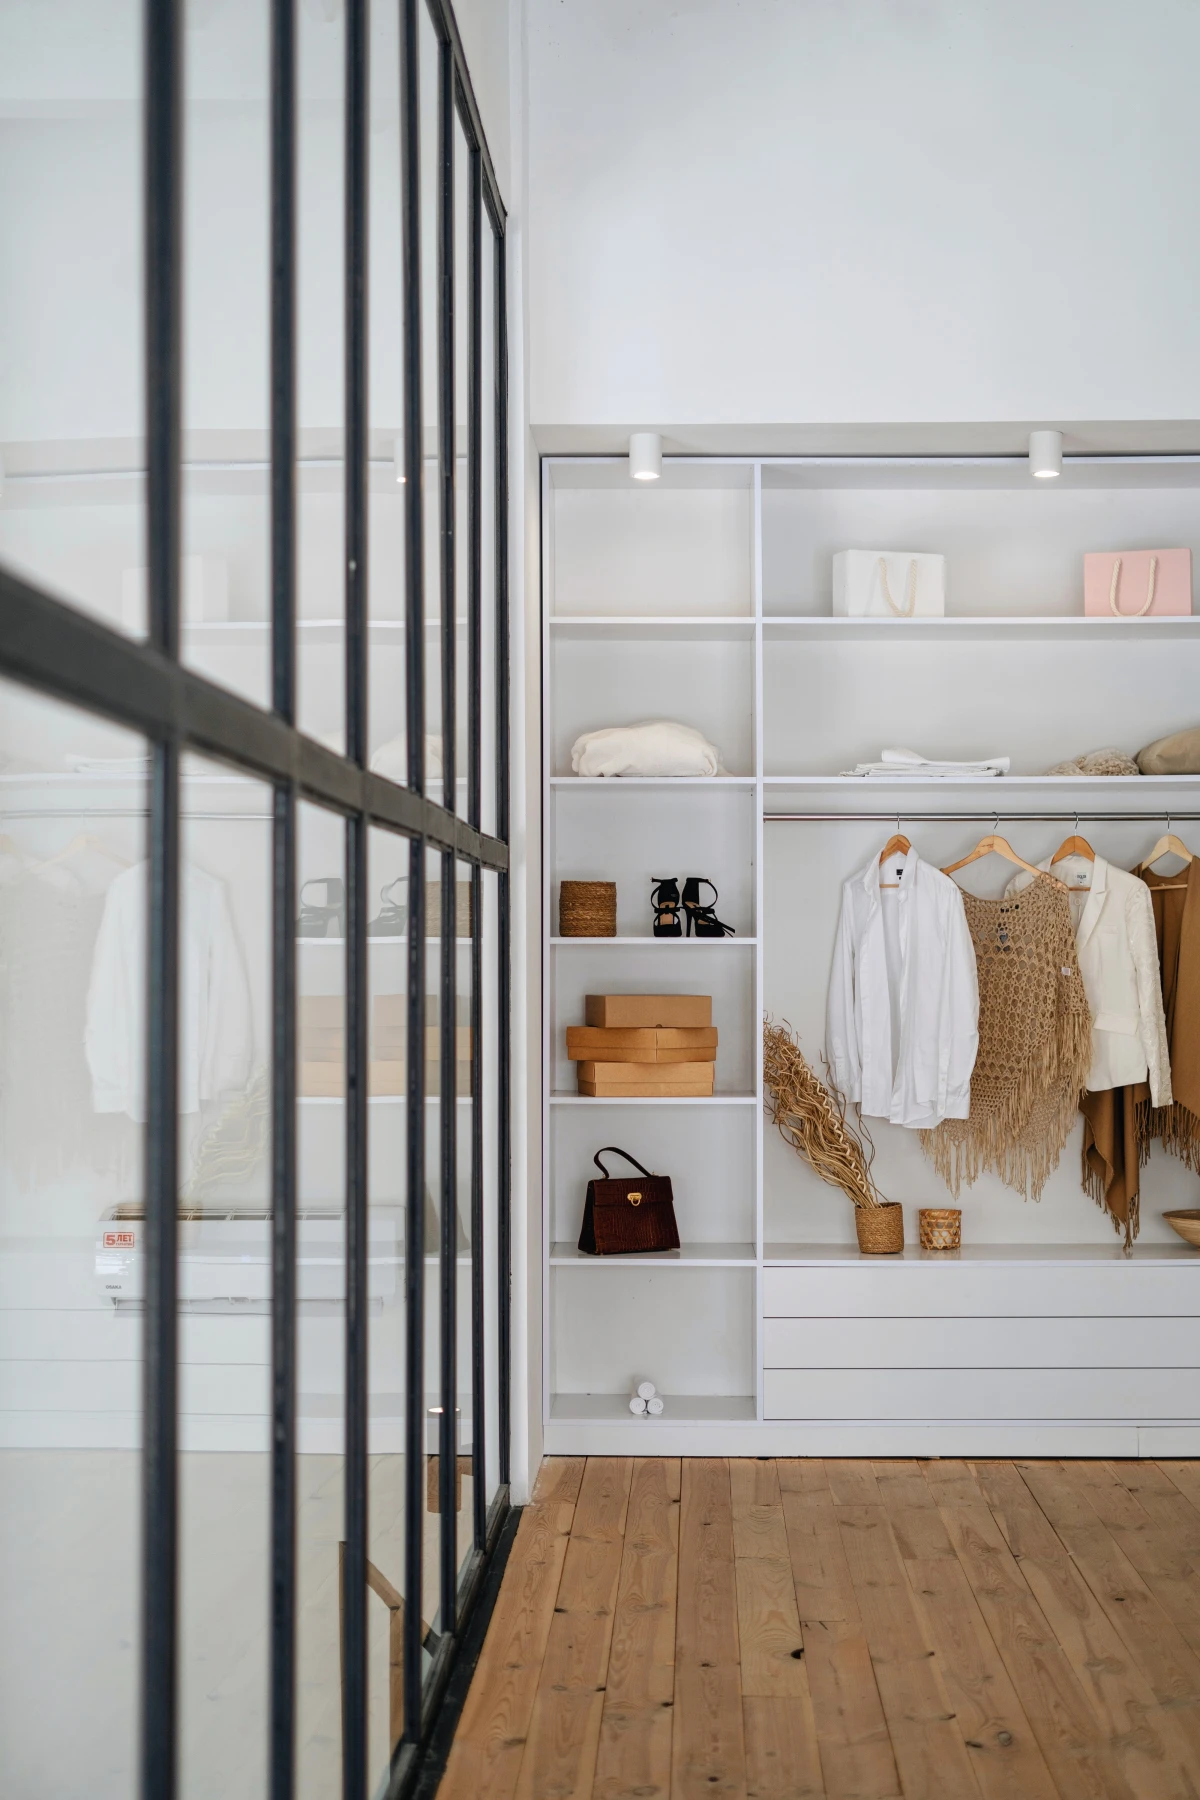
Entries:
{"x":1137,"y":584}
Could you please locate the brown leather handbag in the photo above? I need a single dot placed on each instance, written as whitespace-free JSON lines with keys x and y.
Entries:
{"x":624,"y":1218}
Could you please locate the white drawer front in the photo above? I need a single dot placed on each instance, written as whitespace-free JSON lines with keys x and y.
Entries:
{"x":924,"y":1290}
{"x":898,"y":1394}
{"x":1069,"y":1343}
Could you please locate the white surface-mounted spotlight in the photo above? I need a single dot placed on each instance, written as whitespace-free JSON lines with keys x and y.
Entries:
{"x":1045,"y":454}
{"x":645,"y":455}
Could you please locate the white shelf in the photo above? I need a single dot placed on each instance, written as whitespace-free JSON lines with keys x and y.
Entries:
{"x":678,"y":1409}
{"x":821,"y":628}
{"x":702,"y":1256}
{"x":653,"y":1100}
{"x":617,"y":943}
{"x":613,"y":782}
{"x":697,"y":629}
{"x":999,"y":785}
{"x":842,"y":1255}
{"x":340,"y":942}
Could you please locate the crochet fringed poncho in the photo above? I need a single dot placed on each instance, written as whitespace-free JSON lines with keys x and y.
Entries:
{"x":1035,"y":1044}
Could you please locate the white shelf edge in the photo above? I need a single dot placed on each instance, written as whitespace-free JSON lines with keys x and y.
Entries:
{"x":1066,"y":625}
{"x":791,"y":1256}
{"x":652,"y":781}
{"x":560,"y":943}
{"x":688,"y":1256}
{"x":997,"y":784}
{"x":653,"y":1100}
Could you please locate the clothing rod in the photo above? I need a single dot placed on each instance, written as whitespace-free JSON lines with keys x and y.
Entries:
{"x":978,"y":818}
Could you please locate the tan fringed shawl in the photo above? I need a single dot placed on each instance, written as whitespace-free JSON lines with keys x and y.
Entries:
{"x":1176,"y":900}
{"x":1035,"y":1044}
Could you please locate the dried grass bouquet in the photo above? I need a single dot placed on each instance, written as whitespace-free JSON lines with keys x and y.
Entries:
{"x":812,"y":1118}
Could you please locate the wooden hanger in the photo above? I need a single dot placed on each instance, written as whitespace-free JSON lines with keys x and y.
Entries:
{"x":996,"y":845}
{"x":897,"y":845}
{"x":1075,"y":846}
{"x":1167,"y":845}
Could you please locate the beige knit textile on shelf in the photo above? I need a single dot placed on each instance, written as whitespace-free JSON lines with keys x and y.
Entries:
{"x":1034,"y":1044}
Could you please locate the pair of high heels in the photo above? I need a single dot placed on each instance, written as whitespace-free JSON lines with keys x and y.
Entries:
{"x":702,"y":921}
{"x":315,"y":918}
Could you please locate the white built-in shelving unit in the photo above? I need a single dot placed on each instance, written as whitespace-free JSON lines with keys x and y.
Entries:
{"x":705,"y":597}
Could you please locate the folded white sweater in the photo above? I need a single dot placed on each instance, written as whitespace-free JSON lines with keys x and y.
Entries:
{"x":660,"y":747}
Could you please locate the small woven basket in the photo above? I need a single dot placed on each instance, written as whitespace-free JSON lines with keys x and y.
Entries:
{"x":940,"y":1227}
{"x":880,"y":1228}
{"x":587,"y":909}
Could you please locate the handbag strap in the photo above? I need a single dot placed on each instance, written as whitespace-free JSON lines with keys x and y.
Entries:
{"x":615,"y":1150}
{"x":910,"y":589}
{"x":1113,"y":603}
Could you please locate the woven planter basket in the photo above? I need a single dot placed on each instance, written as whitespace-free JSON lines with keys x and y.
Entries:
{"x":880,"y":1228}
{"x":587,"y":909}
{"x":940,"y":1227}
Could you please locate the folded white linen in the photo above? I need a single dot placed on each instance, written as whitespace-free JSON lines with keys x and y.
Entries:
{"x":910,"y":763}
{"x":658,"y":747}
{"x":913,"y":759}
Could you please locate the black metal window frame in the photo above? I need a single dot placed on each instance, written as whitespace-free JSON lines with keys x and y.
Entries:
{"x":51,"y":647}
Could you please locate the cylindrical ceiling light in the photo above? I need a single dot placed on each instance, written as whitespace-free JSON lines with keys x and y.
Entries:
{"x":645,"y":455}
{"x":398,"y":459}
{"x":1045,"y":454}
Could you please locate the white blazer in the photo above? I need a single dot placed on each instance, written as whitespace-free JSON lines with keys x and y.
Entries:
{"x":1118,"y":959}
{"x":902,"y":1026}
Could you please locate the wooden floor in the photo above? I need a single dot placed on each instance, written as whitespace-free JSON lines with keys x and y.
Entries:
{"x":1009,"y":1630}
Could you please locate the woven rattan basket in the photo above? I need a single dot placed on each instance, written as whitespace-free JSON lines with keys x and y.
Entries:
{"x":940,"y":1227}
{"x":587,"y":909}
{"x":880,"y":1228}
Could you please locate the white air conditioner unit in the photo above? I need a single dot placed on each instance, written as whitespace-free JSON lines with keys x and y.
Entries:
{"x":227,"y":1257}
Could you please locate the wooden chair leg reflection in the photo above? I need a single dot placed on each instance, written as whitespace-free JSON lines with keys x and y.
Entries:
{"x":393,"y":1599}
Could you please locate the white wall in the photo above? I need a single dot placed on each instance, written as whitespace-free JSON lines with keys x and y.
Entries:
{"x":790,"y":211}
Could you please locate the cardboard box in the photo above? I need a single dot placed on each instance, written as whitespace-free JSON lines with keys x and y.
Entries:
{"x":587,"y":1043}
{"x":645,"y":1078}
{"x":646,"y":1090}
{"x":641,"y":1011}
{"x":386,"y":1079}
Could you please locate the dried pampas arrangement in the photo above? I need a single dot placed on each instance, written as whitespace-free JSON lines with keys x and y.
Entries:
{"x":812,"y":1118}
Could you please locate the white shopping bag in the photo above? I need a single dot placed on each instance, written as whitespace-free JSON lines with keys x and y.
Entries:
{"x":888,"y":584}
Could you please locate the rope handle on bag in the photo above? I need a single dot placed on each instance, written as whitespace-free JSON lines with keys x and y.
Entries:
{"x":615,"y":1150}
{"x":910,"y":589}
{"x":1149,"y":601}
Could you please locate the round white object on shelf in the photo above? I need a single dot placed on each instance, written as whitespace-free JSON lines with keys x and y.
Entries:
{"x":647,"y":1390}
{"x":637,"y":1404}
{"x":654,"y":1406}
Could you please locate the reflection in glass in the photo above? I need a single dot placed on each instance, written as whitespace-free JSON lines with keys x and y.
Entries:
{"x":466,"y":1103}
{"x":226,"y":381}
{"x":429,"y":63}
{"x":487,"y":520}
{"x":489,"y":1101}
{"x":387,"y":1025}
{"x":73,"y":798}
{"x":462,"y":484}
{"x":224,"y":1279}
{"x":321,"y":1298}
{"x":320,"y":387}
{"x":72,"y":510}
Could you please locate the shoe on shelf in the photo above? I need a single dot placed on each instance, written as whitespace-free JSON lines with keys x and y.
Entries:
{"x":315,"y":920}
{"x":392,"y":918}
{"x":702,"y":920}
{"x":664,"y":898}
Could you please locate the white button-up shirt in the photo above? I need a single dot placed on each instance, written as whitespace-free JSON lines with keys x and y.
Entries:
{"x":902,"y":1026}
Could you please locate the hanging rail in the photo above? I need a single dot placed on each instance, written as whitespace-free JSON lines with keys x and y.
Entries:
{"x":976,"y":818}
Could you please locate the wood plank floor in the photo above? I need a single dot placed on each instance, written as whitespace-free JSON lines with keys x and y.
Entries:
{"x":775,"y":1630}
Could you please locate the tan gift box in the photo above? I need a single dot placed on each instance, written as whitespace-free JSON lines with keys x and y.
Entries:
{"x":640,"y":1011}
{"x":646,"y":1090}
{"x":645,"y":1078}
{"x":589,"y":1043}
{"x":327,"y":1080}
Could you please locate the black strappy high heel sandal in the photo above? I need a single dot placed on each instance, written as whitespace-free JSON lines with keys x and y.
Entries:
{"x":314,"y":920}
{"x":392,"y":920}
{"x":664,"y":898}
{"x":702,"y":920}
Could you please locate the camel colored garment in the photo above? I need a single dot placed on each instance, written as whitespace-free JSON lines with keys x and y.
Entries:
{"x":1116,"y":1146}
{"x":1035,"y":1032}
{"x":1176,"y":900}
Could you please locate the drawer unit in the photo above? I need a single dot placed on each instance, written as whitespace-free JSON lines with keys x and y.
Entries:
{"x":1139,"y":1395}
{"x":984,"y":1290}
{"x":1070,"y":1343}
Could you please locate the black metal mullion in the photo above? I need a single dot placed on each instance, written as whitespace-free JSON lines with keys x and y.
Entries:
{"x":448,"y":1009}
{"x":354,"y":1645}
{"x":504,"y":922}
{"x":283,"y":887}
{"x":160,"y":1369}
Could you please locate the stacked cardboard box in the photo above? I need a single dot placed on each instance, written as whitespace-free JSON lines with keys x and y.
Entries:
{"x":660,"y":1046}
{"x":322,"y":1046}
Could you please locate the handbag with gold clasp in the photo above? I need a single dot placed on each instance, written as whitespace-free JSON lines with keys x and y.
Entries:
{"x":621,"y":1218}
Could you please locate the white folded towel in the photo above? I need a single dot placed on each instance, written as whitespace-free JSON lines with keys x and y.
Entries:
{"x":659,"y":747}
{"x":898,"y":761}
